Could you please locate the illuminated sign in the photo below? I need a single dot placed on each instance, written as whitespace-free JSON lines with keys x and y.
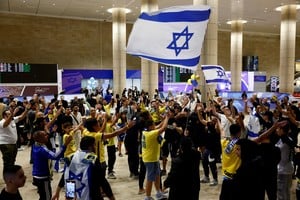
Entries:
{"x":15,"y":67}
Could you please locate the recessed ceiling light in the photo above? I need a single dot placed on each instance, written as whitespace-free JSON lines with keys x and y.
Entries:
{"x":240,"y":20}
{"x":53,"y":4}
{"x":279,"y":8}
{"x":110,"y":10}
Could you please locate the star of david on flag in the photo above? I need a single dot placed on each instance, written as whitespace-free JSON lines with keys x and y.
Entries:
{"x":171,"y":36}
{"x":176,"y":37}
{"x":78,"y":177}
{"x":214,"y":74}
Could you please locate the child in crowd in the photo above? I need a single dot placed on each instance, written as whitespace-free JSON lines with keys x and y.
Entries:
{"x":14,"y":178}
{"x":111,"y":147}
{"x":41,"y":155}
{"x":120,"y":124}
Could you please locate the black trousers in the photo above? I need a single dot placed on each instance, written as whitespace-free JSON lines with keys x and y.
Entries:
{"x":209,"y":161}
{"x":227,"y":190}
{"x":111,"y":154}
{"x":44,"y":188}
{"x":142,"y":174}
{"x":133,"y":157}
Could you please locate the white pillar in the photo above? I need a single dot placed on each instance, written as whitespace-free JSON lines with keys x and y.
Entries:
{"x":287,"y":48}
{"x":209,"y":53}
{"x":236,"y":54}
{"x":119,"y":49}
{"x":149,"y":69}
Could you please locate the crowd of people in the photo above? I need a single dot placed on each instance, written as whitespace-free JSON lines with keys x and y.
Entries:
{"x":257,"y":147}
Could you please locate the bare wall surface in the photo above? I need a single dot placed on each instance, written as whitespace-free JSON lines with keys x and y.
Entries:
{"x":88,"y":44}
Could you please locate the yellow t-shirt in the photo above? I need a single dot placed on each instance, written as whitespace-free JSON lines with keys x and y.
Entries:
{"x":230,"y":161}
{"x":107,"y":108}
{"x":156,"y":115}
{"x":150,"y":146}
{"x":84,"y":132}
{"x":109,"y":129}
{"x":71,"y":148}
{"x":100,"y":150}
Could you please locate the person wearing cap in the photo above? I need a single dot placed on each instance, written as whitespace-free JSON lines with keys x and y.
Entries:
{"x":9,"y":135}
{"x":226,"y":119}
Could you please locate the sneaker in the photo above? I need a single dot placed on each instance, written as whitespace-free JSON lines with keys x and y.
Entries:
{"x":21,"y":149}
{"x":111,"y":176}
{"x":163,"y":172}
{"x":160,"y":196}
{"x":204,"y":180}
{"x":213,"y":183}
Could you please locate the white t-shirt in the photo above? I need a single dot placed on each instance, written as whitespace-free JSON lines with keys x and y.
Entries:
{"x":9,"y":135}
{"x":225,"y":124}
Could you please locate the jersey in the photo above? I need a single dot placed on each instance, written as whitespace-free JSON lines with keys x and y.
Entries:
{"x":100,"y":150}
{"x":109,"y":129}
{"x":150,"y":146}
{"x":230,"y":160}
{"x":71,"y":148}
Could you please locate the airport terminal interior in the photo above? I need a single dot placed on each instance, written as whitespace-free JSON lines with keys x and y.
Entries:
{"x":78,"y":47}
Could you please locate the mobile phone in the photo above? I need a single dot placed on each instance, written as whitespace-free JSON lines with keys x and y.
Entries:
{"x":70,"y":189}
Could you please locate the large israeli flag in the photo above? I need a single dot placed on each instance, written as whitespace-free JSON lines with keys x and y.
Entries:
{"x":172,"y":36}
{"x":214,"y":74}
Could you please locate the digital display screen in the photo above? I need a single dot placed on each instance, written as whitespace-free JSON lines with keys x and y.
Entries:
{"x":28,"y":73}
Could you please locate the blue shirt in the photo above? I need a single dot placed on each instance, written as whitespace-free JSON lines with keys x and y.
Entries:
{"x":40,"y":156}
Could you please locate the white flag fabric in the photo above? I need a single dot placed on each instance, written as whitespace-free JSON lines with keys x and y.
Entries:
{"x":214,"y":74}
{"x":171,"y":36}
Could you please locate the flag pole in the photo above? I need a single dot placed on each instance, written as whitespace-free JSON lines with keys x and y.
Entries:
{"x":186,"y":85}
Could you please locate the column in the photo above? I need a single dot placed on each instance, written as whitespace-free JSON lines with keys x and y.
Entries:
{"x":236,"y":54}
{"x":149,"y":69}
{"x":119,"y":49}
{"x":209,"y":54}
{"x":287,"y":48}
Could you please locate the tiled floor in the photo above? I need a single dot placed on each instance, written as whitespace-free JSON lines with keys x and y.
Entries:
{"x":124,"y":188}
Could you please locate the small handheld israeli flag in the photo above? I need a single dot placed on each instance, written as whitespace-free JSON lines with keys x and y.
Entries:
{"x":171,"y":36}
{"x":215,"y":74}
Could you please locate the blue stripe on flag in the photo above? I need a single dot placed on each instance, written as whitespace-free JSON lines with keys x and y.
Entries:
{"x":183,"y":16}
{"x":212,"y":67}
{"x":192,"y":62}
{"x":217,"y":81}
